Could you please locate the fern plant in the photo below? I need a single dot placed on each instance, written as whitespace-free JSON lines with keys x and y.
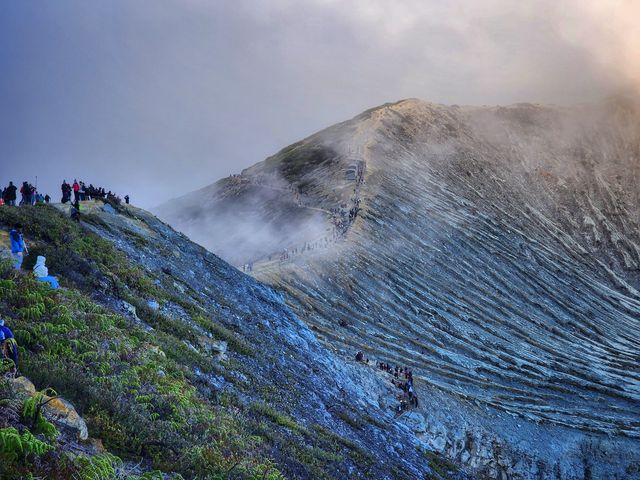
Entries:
{"x":6,"y":366}
{"x":14,"y":445}
{"x":32,"y":413}
{"x":7,"y":289}
{"x":99,"y":467}
{"x":32,"y":313}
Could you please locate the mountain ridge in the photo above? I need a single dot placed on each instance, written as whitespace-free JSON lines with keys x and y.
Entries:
{"x":493,"y":249}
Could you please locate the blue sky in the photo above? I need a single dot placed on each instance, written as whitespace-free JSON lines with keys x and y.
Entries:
{"x":156,"y":98}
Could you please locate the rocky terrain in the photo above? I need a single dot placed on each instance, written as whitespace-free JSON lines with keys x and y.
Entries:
{"x":164,"y":362}
{"x":494,"y":250}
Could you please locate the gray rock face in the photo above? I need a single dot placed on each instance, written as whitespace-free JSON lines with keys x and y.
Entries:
{"x":286,"y":366}
{"x":496,"y":251}
{"x":415,"y":421}
{"x":108,"y":208}
{"x":130,"y":309}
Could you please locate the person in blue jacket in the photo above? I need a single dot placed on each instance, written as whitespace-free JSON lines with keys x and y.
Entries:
{"x":9,"y":345}
{"x":18,"y":246}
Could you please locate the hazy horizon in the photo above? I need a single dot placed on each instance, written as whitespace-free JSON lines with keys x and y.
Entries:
{"x":156,"y":99}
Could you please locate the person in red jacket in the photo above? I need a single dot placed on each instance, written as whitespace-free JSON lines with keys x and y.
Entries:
{"x":76,"y":190}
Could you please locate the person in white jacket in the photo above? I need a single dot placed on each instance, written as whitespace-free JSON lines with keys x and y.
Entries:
{"x":41,"y":272}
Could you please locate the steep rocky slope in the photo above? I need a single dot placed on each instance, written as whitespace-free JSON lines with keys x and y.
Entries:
{"x":181,"y":364}
{"x":495,"y":250}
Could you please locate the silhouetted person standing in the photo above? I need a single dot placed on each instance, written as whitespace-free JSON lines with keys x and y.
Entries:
{"x":11,"y":194}
{"x":25,"y":190}
{"x":66,"y":191}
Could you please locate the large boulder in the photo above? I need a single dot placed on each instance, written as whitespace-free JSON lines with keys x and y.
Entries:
{"x":23,"y":386}
{"x":61,"y":412}
{"x":55,"y":409}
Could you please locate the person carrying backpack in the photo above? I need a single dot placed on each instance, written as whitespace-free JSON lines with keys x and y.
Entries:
{"x":18,"y":246}
{"x":9,"y":346}
{"x":25,"y":192}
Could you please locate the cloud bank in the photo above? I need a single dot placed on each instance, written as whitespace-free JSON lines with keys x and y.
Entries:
{"x":156,"y":98}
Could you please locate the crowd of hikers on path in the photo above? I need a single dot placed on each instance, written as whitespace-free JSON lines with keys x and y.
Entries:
{"x":287,"y":253}
{"x":401,"y":378}
{"x":74,"y":192}
{"x":341,"y":217}
{"x":344,"y":215}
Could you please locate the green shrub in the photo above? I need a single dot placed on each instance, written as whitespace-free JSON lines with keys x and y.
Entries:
{"x":14,"y":445}
{"x":440,"y":465}
{"x":98,"y":467}
{"x":276,"y":417}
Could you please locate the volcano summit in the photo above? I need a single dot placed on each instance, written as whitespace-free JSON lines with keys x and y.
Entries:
{"x":494,"y":250}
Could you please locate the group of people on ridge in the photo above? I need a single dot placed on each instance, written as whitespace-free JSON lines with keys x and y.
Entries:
{"x":19,"y":248}
{"x":81,"y":193}
{"x":29,"y":195}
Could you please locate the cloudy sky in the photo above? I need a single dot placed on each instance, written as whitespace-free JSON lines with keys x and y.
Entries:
{"x":156,"y":97}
